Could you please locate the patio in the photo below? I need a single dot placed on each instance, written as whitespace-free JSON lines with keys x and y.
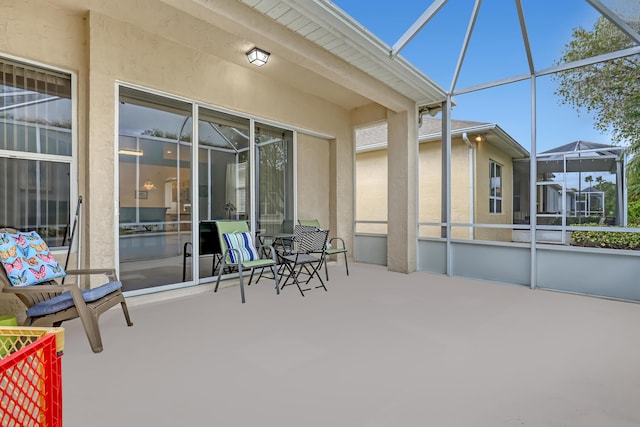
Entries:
{"x":378,"y":349}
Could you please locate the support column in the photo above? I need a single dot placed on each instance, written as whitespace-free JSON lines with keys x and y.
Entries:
{"x":402,"y":150}
{"x":341,"y":186}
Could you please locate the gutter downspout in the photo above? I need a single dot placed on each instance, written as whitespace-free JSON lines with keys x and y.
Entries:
{"x":472,"y":174}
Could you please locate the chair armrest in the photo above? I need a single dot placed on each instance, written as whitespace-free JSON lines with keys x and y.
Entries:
{"x":340,"y":239}
{"x":226,"y":252}
{"x":33,"y":294}
{"x":272,"y":252}
{"x":110,"y":273}
{"x":38,"y":289}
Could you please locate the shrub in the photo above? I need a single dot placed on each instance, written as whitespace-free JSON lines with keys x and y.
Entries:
{"x":606,"y":239}
{"x":633,"y":212}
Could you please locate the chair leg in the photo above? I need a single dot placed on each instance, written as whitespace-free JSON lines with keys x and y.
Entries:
{"x":222,"y":267}
{"x":241,"y":282}
{"x":185,"y":255}
{"x":294,"y":276}
{"x":123,"y":304}
{"x":90,"y":323}
{"x":326,"y":270}
{"x":295,"y":279}
{"x":346,"y":263}
{"x":251,"y":277}
{"x":274,"y":269}
{"x":314,"y":272}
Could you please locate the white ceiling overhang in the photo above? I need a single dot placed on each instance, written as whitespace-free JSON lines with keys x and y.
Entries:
{"x":324,"y":24}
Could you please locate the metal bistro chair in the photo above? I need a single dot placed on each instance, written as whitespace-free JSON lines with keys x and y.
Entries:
{"x":336,"y":245}
{"x":306,"y":258}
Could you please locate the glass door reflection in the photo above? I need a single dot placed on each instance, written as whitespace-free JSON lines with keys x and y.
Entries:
{"x":154,"y":188}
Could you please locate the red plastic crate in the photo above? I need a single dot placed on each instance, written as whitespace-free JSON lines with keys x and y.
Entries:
{"x":31,"y":377}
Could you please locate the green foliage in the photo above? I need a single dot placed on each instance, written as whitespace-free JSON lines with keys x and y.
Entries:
{"x":610,"y":196}
{"x":579,"y":220}
{"x":158,"y":133}
{"x":610,"y":90}
{"x":633,"y":213}
{"x":606,"y":239}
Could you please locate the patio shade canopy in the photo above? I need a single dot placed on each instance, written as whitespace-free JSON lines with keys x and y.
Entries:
{"x":580,"y":156}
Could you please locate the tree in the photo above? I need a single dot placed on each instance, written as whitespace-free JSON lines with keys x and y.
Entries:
{"x":610,"y":90}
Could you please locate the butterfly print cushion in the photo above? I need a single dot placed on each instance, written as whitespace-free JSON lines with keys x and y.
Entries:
{"x":27,"y":260}
{"x":11,"y":259}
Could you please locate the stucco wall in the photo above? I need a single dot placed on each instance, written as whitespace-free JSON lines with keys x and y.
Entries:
{"x":122,"y":52}
{"x":371,"y":190}
{"x":313,"y":179}
{"x":484,"y":154}
{"x":35,"y":31}
{"x":430,"y":187}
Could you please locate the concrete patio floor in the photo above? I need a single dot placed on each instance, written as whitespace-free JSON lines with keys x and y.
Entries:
{"x":378,"y":349}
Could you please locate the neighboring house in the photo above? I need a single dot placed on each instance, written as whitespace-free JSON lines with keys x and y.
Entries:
{"x":482,"y":182}
{"x":575,"y":180}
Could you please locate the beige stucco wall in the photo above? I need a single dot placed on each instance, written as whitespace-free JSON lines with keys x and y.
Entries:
{"x":123,"y":52}
{"x":430,"y":187}
{"x":484,"y":154}
{"x":402,"y":149}
{"x":371,"y":189}
{"x":313,"y":179}
{"x":35,"y":31}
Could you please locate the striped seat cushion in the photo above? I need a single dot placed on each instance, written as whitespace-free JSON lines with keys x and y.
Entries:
{"x":243,"y":242}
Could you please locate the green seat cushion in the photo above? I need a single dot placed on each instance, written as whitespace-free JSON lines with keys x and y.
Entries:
{"x":335,"y":251}
{"x":309,"y":222}
{"x":258,"y":263}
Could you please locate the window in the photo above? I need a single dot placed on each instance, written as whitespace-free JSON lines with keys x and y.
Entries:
{"x":495,"y":187}
{"x":35,"y":149}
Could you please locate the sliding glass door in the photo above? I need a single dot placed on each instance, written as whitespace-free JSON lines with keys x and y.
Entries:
{"x":223,"y":178}
{"x":154,"y":188}
{"x":243,"y":172}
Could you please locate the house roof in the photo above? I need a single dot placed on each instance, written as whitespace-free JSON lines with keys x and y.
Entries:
{"x":375,"y":137}
{"x":326,"y":25}
{"x":580,"y":156}
{"x":576,"y":146}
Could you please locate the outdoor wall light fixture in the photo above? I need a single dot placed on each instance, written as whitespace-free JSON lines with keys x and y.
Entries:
{"x":479,"y":138}
{"x":258,"y":57}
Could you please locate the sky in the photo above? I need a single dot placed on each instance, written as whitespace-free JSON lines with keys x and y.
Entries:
{"x":496,"y":51}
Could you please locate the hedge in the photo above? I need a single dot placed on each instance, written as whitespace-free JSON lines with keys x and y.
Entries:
{"x":606,"y":239}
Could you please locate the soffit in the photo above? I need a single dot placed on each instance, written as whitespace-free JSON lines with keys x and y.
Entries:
{"x":324,"y":24}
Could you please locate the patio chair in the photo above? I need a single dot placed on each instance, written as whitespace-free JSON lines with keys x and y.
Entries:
{"x":239,"y":251}
{"x":30,"y":273}
{"x":209,"y":245}
{"x":306,"y":258}
{"x":331,"y":249}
